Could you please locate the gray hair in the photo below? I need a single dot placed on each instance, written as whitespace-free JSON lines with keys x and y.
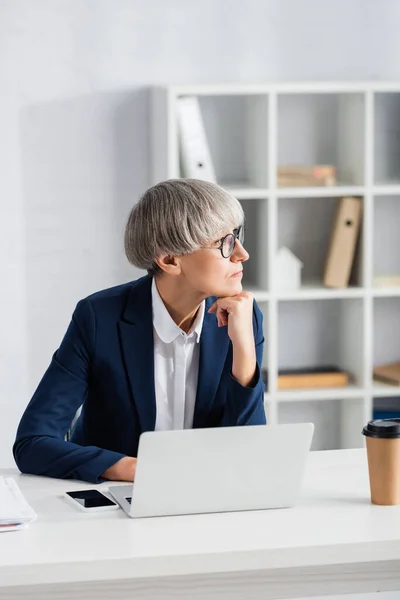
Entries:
{"x":177,"y":217}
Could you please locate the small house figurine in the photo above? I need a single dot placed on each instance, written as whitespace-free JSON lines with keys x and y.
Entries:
{"x":287,"y":270}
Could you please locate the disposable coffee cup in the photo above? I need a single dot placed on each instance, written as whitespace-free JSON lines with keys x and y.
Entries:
{"x":383,"y":451}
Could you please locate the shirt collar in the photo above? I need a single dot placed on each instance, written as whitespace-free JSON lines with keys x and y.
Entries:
{"x":166,"y":328}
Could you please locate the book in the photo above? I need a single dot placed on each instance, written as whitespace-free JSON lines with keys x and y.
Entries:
{"x":306,"y":175}
{"x":310,"y":377}
{"x":383,"y":414}
{"x":388,"y":373}
{"x":194,"y":149}
{"x":386,"y":280}
{"x":343,"y":243}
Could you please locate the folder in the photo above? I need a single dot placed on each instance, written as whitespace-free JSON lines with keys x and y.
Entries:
{"x":343,"y":243}
{"x":194,"y":149}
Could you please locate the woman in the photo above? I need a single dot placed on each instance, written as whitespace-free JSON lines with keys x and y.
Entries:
{"x":179,"y":348}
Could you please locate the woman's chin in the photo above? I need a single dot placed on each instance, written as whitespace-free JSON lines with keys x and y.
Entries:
{"x":238,"y":286}
{"x":232,"y":288}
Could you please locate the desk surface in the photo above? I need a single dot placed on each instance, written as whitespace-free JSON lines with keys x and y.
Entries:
{"x":334,"y":541}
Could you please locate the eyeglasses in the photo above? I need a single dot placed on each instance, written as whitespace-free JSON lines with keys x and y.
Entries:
{"x":228,"y":242}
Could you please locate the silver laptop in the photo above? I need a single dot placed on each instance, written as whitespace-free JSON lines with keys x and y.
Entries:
{"x":217,"y":470}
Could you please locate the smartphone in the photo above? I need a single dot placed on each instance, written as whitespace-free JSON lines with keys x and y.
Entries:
{"x":90,"y":500}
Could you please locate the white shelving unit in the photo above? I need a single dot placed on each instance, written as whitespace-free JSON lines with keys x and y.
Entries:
{"x":355,"y":126}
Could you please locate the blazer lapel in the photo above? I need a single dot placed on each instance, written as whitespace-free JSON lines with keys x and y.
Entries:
{"x":136,"y":336}
{"x":214,"y":343}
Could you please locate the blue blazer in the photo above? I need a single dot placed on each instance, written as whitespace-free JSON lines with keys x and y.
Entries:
{"x":106,"y":363}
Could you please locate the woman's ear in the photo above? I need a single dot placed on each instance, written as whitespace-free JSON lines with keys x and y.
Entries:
{"x":169,"y":264}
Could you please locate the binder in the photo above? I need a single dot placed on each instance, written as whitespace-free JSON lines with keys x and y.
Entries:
{"x":343,"y":243}
{"x":194,"y":149}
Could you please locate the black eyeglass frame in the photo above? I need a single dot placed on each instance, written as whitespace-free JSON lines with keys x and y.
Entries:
{"x":237,"y":234}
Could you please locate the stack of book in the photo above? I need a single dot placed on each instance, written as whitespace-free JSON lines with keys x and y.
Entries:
{"x":388,"y":373}
{"x":306,"y":175}
{"x":310,"y":377}
{"x":387,"y":408}
{"x":386,"y":280}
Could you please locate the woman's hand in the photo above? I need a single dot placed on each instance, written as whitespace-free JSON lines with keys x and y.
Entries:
{"x":123,"y":470}
{"x":237,"y":313}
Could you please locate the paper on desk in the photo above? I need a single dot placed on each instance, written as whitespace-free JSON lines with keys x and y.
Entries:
{"x":13,"y":527}
{"x":15,"y":512}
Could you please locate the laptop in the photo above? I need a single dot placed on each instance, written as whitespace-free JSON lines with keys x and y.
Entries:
{"x":219,"y":469}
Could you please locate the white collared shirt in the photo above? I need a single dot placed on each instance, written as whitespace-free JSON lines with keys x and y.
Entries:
{"x":176,"y":366}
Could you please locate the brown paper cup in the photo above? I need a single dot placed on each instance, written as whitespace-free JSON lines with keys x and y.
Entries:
{"x":384,"y":470}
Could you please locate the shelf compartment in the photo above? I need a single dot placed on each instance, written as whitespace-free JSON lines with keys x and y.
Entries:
{"x":386,"y":241}
{"x":255,"y":269}
{"x":323,"y":129}
{"x":386,"y":333}
{"x":315,"y":333}
{"x":387,"y":407}
{"x":236,"y":128}
{"x":387,"y":138}
{"x":305,"y":227}
{"x":338,"y":424}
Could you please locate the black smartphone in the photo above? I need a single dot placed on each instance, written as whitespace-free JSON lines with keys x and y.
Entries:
{"x":90,"y":500}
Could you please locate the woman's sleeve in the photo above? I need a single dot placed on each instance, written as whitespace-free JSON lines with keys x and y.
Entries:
{"x":40,"y":447}
{"x":245,"y":404}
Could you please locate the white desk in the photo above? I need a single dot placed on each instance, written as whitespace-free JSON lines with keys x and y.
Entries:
{"x":334,"y":542}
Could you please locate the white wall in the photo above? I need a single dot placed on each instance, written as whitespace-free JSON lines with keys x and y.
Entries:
{"x":74,"y":132}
